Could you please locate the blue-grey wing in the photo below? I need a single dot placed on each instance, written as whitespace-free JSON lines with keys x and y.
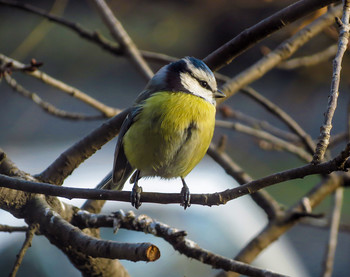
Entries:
{"x":122,"y":168}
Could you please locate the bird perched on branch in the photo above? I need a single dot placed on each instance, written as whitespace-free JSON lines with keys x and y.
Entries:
{"x":169,"y":129}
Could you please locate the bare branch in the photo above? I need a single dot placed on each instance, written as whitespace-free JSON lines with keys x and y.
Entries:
{"x":311,"y":60}
{"x":283,"y":51}
{"x":58,"y":229}
{"x":276,"y":228}
{"x":283,"y":116}
{"x":333,"y":235}
{"x":228,"y":112}
{"x":249,"y":37}
{"x":323,"y":140}
{"x":280,"y":143}
{"x":70,"y":159}
{"x":123,"y":38}
{"x":92,"y":36}
{"x":10,"y":229}
{"x":339,"y":163}
{"x":46,"y":106}
{"x":175,"y":237}
{"x":74,"y":92}
{"x":27,"y":243}
{"x":262,"y":197}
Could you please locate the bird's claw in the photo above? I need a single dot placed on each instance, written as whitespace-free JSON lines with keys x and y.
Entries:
{"x":186,"y":197}
{"x":135,"y":196}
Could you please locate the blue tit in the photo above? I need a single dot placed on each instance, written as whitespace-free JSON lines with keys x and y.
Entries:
{"x":169,"y":129}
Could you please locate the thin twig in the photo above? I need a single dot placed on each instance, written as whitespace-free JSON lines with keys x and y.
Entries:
{"x":323,"y":140}
{"x":228,"y":112}
{"x":74,"y":92}
{"x":280,"y":143}
{"x":283,"y":116}
{"x":333,"y":234}
{"x":282,"y":52}
{"x":27,"y":243}
{"x":123,"y":38}
{"x":92,"y":36}
{"x":311,"y":60}
{"x":46,"y":106}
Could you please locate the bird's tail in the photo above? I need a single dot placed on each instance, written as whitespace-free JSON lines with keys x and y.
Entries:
{"x":107,"y":183}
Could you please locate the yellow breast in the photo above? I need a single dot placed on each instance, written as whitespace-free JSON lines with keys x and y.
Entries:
{"x":170,"y":135}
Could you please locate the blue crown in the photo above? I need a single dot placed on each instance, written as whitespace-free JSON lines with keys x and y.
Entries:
{"x":199,"y":64}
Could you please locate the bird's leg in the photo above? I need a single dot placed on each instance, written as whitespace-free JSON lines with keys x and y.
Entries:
{"x":136,"y":192}
{"x":186,"y":196}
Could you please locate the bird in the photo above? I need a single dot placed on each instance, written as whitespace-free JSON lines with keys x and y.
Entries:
{"x":169,"y":128}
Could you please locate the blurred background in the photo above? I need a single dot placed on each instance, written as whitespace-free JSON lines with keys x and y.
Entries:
{"x":33,"y":139}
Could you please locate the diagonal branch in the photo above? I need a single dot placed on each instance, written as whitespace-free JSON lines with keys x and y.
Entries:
{"x":228,"y":112}
{"x":298,"y":151}
{"x":27,"y":243}
{"x":275,"y":110}
{"x":311,"y":60}
{"x":46,"y":106}
{"x":261,"y":198}
{"x":70,"y":159}
{"x":119,"y":33}
{"x":283,"y":51}
{"x":74,"y":92}
{"x":249,"y":37}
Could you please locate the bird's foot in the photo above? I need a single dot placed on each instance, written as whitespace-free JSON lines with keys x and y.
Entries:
{"x":186,"y":196}
{"x":135,"y":196}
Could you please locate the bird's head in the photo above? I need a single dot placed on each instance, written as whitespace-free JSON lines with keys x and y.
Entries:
{"x":188,"y":75}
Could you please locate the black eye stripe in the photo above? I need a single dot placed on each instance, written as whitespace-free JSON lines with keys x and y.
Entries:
{"x":202,"y":83}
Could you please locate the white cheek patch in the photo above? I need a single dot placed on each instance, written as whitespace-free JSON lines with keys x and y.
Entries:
{"x":195,"y":88}
{"x":202,"y":74}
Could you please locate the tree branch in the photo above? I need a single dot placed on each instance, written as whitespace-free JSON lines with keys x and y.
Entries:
{"x":283,"y":116}
{"x":311,"y":60}
{"x":70,"y":159}
{"x":27,"y":243}
{"x":249,"y":37}
{"x":123,"y":38}
{"x":261,"y":198}
{"x":46,"y":106}
{"x":74,"y":92}
{"x":333,"y":235}
{"x":300,"y":152}
{"x":10,"y":229}
{"x":283,"y":51}
{"x":175,"y":237}
{"x":339,"y":163}
{"x":56,"y":228}
{"x":228,"y":112}
{"x":323,"y":140}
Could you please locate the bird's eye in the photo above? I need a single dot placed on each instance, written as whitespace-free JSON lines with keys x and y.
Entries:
{"x":204,"y":84}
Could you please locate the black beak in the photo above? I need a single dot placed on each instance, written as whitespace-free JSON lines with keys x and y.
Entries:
{"x":219,"y":94}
